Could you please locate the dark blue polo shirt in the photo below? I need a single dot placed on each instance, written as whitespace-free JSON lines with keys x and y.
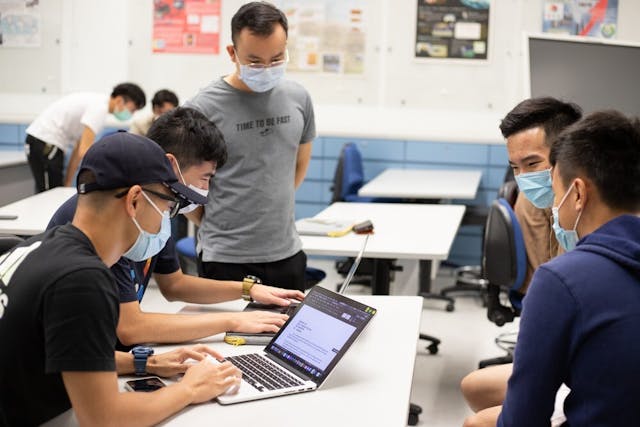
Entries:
{"x":132,"y":277}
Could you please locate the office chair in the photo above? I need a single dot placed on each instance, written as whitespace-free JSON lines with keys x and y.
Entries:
{"x":469,"y":277}
{"x":504,"y":267}
{"x":8,"y":241}
{"x":186,"y":248}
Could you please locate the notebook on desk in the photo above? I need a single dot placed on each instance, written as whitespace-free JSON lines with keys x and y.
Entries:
{"x":305,"y":351}
{"x":264,"y":337}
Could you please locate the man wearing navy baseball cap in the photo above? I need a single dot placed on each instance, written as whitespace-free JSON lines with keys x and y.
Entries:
{"x":59,"y":300}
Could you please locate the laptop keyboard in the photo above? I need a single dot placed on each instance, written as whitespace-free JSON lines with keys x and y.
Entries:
{"x":261,"y":373}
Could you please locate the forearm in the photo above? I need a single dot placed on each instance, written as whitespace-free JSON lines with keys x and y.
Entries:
{"x":74,"y":161}
{"x":142,"y":409}
{"x":198,"y":290}
{"x":301,"y":172}
{"x":173,"y":328}
{"x":195,"y":216}
{"x":124,"y":363}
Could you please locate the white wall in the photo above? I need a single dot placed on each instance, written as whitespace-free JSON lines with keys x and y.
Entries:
{"x":103,"y":43}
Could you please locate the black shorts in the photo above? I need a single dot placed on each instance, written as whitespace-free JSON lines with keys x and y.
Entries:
{"x":287,"y":273}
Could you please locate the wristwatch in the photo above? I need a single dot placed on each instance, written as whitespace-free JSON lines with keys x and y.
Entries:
{"x":140,"y":356}
{"x":247,"y":284}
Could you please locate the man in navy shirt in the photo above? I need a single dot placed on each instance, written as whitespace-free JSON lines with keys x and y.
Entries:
{"x":581,"y":315}
{"x":195,"y":148}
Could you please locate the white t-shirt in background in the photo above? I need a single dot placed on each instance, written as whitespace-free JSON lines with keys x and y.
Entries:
{"x":61,"y":123}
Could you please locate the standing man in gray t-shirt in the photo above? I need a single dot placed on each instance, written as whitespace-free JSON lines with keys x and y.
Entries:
{"x":268,"y":123}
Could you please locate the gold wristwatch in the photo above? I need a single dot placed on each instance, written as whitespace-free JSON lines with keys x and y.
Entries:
{"x":247,"y":284}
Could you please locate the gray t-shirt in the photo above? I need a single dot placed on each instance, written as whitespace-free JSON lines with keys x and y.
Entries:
{"x":250,"y":214}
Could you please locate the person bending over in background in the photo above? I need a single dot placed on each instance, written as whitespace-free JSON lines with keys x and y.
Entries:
{"x":73,"y":122}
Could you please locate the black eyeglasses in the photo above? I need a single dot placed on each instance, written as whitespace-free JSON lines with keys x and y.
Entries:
{"x":174,"y":208}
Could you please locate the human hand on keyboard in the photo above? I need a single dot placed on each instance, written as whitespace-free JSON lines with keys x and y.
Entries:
{"x":256,"y":321}
{"x":271,"y":295}
{"x":210,"y":378}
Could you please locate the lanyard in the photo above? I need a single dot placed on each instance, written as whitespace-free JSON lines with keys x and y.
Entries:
{"x":140,"y":284}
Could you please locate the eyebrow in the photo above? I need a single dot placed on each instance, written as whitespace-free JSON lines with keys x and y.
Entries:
{"x":253,"y":57}
{"x":528,"y":159}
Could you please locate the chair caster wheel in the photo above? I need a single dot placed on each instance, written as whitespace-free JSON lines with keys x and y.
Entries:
{"x":433,"y":348}
{"x":414,"y":412}
{"x":449,"y":307}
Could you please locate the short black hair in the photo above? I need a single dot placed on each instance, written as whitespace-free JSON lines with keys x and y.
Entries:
{"x":605,"y":148}
{"x":190,"y":136}
{"x":259,"y":17}
{"x":552,"y":114}
{"x":130,"y":92}
{"x":162,"y":96}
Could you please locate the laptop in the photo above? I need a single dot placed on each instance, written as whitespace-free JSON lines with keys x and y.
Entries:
{"x":300,"y":357}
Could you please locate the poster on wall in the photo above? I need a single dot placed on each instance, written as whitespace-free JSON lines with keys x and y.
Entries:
{"x":19,"y":23}
{"x":452,"y":29}
{"x":186,"y":26}
{"x":591,"y":18}
{"x":325,"y":36}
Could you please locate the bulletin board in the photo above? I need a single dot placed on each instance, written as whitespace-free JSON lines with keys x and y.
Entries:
{"x":30,"y":51}
{"x":452,"y":29}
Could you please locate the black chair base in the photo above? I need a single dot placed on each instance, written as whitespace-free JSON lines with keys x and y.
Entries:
{"x":451,"y":302}
{"x":414,"y":414}
{"x":433,"y":347}
{"x":496,"y":361}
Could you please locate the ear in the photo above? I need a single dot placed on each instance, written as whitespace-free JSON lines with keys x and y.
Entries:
{"x":131,"y":200}
{"x":231,"y":52}
{"x":172,"y":159}
{"x":580,"y":193}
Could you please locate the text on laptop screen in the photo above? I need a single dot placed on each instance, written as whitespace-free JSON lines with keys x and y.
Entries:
{"x":322,"y":328}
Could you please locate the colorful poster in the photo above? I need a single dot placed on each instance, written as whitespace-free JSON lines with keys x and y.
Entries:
{"x":186,"y":26}
{"x":325,"y":36}
{"x":452,"y":29}
{"x":592,"y":18}
{"x":19,"y":23}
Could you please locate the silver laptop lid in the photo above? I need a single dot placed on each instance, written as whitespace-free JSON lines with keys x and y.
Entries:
{"x":320,"y":332}
{"x":354,"y":267}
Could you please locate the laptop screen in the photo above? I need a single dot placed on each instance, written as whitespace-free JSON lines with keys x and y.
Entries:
{"x":320,"y":332}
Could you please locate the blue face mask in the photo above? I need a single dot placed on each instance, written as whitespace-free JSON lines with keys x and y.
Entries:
{"x":149,"y":244}
{"x":536,"y":187}
{"x":566,"y":238}
{"x":123,"y":115}
{"x":262,"y":79}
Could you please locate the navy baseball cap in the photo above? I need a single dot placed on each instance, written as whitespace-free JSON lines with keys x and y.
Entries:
{"x":122,"y":159}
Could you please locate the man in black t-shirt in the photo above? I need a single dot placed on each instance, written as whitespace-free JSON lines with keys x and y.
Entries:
{"x":59,"y":301}
{"x":195,"y":149}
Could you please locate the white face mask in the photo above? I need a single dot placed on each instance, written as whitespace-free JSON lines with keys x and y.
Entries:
{"x":202,"y":192}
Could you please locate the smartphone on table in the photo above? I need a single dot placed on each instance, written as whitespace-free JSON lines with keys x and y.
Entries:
{"x":144,"y":384}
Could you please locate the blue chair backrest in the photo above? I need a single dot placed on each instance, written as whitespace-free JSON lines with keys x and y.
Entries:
{"x":515,"y":296}
{"x":352,"y":172}
{"x":187,"y":247}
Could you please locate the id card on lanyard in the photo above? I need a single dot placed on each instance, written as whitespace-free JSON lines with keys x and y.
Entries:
{"x":141,"y":285}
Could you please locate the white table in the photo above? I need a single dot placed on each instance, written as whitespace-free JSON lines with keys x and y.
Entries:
{"x":369,"y":387}
{"x":34,"y":212}
{"x":402,"y":231}
{"x":423,"y":184}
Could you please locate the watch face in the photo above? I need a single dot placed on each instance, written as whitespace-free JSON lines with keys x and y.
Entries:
{"x":142,"y":350}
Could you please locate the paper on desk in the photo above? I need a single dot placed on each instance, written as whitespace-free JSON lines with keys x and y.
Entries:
{"x":324,"y":227}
